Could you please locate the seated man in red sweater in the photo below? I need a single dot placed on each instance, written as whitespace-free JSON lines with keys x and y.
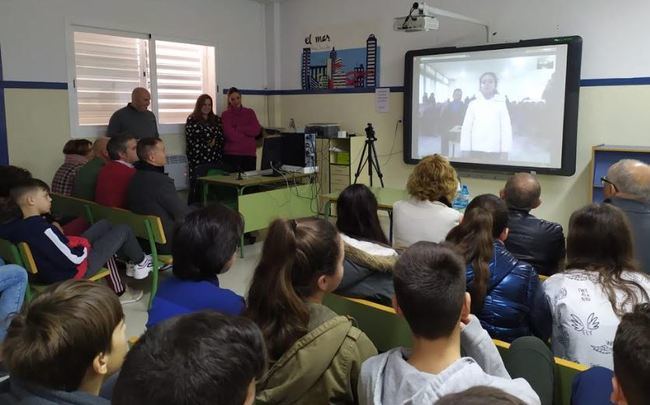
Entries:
{"x":115,"y":176}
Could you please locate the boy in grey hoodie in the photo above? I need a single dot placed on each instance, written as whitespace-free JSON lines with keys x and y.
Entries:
{"x":430,"y":293}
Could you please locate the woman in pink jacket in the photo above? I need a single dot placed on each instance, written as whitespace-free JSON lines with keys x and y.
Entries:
{"x":240,"y":128}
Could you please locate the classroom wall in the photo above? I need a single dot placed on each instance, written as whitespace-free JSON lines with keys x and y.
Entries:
{"x":33,"y":50}
{"x":607,"y":114}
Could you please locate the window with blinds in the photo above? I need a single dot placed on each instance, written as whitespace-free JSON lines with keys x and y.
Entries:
{"x":107,"y":69}
{"x":183,"y":73}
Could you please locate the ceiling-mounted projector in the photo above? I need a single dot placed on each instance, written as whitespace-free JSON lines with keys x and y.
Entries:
{"x":420,"y":18}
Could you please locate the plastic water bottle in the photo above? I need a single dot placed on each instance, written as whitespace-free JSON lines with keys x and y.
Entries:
{"x":462,"y":199}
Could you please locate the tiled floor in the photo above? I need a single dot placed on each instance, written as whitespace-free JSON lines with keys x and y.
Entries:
{"x":236,"y":279}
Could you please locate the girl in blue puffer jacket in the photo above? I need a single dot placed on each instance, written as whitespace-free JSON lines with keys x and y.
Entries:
{"x":502,"y":287}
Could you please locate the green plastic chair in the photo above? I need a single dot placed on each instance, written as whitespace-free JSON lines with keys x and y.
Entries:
{"x":147,"y":227}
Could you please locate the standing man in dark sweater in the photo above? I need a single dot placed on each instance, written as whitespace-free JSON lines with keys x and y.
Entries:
{"x":531,"y":239}
{"x":152,"y":192}
{"x":627,"y":186}
{"x":135,"y":119}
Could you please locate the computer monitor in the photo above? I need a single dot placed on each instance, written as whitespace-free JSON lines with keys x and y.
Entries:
{"x":272,"y":152}
{"x":291,"y":149}
{"x":293,"y":153}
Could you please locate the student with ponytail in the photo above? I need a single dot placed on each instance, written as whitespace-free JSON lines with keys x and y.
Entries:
{"x":501,"y":286}
{"x":315,"y":355}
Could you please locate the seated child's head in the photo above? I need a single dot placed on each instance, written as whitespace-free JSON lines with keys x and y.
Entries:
{"x":301,"y":260}
{"x":200,"y":358}
{"x":632,"y":358}
{"x":32,"y":196}
{"x":356,"y":210}
{"x":497,"y":209}
{"x":205,"y":243}
{"x":430,"y":290}
{"x":480,"y":395}
{"x":68,"y":338}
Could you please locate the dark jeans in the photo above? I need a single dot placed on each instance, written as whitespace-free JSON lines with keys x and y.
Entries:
{"x":240,"y":163}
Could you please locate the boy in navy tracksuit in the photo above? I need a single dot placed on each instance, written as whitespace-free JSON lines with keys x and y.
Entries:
{"x":60,"y":258}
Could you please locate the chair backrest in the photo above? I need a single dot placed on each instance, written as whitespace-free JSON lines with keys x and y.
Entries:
{"x":28,"y":259}
{"x":66,"y":206}
{"x":379,"y":322}
{"x":9,"y":252}
{"x":138,"y":223}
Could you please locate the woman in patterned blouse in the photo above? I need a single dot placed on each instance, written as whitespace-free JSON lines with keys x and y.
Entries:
{"x":203,"y":136}
{"x":584,"y":303}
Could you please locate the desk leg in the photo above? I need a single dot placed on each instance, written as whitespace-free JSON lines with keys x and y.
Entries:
{"x":327,"y":210}
{"x":204,"y":193}
{"x":390,"y":224}
{"x":240,"y":192}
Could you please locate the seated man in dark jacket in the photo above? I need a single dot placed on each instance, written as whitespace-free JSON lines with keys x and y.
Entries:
{"x":627,"y":186}
{"x":152,"y":192}
{"x":531,"y":239}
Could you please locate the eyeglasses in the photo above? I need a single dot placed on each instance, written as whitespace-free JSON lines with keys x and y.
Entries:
{"x":604,"y":180}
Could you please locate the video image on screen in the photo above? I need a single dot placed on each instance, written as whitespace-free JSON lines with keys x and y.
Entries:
{"x":500,"y":107}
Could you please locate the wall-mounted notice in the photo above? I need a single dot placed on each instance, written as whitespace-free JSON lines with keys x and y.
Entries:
{"x":382,"y":101}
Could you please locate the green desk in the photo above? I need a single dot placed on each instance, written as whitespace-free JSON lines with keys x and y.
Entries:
{"x":288,"y":197}
{"x":386,"y":197}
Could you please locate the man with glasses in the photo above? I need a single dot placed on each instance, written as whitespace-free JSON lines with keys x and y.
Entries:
{"x":531,"y":239}
{"x":627,"y":186}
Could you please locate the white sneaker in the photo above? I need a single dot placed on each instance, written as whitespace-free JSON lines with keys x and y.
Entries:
{"x":131,"y":295}
{"x":140,"y":270}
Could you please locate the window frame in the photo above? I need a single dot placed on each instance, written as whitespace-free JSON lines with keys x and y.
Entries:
{"x":92,"y":131}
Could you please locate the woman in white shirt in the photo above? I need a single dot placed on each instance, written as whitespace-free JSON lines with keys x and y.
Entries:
{"x":427,"y":215}
{"x":582,"y":306}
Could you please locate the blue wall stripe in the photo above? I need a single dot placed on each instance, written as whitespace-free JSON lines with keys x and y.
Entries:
{"x":625,"y":81}
{"x":33,"y":85}
{"x":4,"y":146}
{"x":394,"y":89}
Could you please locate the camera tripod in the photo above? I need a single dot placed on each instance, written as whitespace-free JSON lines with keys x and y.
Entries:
{"x":369,"y":157}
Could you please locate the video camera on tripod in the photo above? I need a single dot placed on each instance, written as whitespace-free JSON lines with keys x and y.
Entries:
{"x":369,"y":157}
